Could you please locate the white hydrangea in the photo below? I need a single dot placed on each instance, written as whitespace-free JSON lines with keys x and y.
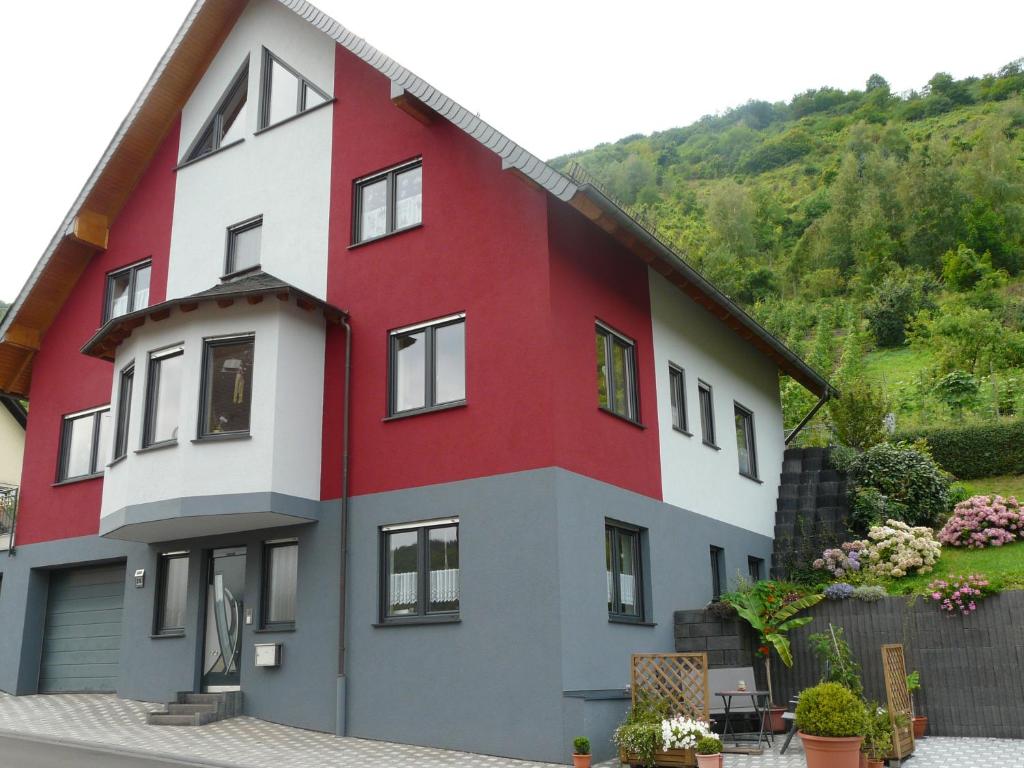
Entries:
{"x":683,"y":732}
{"x":896,"y":549}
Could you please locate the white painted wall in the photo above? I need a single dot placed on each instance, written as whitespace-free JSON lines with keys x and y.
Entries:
{"x":283,"y":453}
{"x":283,"y":173}
{"x":12,"y":448}
{"x":694,"y":476}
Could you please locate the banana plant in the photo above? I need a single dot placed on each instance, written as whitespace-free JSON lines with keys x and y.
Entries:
{"x":770,"y":615}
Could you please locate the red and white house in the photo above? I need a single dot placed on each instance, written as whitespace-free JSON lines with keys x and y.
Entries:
{"x":323,"y":364}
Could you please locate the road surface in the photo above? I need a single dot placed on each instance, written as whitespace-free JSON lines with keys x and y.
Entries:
{"x":32,"y":753}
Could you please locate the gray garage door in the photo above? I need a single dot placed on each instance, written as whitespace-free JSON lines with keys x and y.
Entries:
{"x":82,"y":640}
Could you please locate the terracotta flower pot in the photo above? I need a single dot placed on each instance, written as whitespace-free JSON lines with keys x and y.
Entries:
{"x":828,"y":752}
{"x":775,"y":722}
{"x":872,"y":763}
{"x":709,"y":761}
{"x":920,"y":726}
{"x":580,"y":761}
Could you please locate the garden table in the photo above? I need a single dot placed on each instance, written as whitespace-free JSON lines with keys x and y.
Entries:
{"x":759,"y":700}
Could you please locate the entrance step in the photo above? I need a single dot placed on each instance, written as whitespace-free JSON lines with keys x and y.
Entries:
{"x":198,"y":709}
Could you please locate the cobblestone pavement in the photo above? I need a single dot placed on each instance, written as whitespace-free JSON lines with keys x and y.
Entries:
{"x":114,"y":723}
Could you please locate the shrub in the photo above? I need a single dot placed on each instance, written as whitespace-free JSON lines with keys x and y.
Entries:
{"x":858,"y":417}
{"x":581,"y":745}
{"x":983,"y":521}
{"x":709,"y":745}
{"x":836,"y":658}
{"x":869,"y":593}
{"x":974,"y":451}
{"x":841,"y":560}
{"x":960,"y":594}
{"x":895,"y":549}
{"x":878,"y":739}
{"x":832,"y":710}
{"x":840,"y":591}
{"x":641,"y":735}
{"x":904,"y":474}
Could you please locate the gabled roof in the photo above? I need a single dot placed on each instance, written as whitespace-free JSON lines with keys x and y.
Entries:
{"x":253,"y":287}
{"x":179,"y":70}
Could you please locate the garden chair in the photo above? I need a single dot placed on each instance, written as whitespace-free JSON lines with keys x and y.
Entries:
{"x":791,"y":717}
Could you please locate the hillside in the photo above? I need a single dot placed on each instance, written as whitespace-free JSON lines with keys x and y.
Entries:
{"x":880,"y":235}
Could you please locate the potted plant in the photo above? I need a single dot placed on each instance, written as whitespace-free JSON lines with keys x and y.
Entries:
{"x":832,"y":722}
{"x":581,"y":752}
{"x":709,"y":752}
{"x":769,"y":608}
{"x":878,"y":738}
{"x":920,"y":721}
{"x":651,"y":735}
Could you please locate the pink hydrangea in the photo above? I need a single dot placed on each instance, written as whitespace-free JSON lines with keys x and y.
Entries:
{"x":984,"y":521}
{"x":959,"y":595}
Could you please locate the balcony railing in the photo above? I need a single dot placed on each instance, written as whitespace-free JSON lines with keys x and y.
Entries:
{"x":8,"y":516}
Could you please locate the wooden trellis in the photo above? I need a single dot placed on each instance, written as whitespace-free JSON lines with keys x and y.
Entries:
{"x":678,"y":678}
{"x":898,"y":698}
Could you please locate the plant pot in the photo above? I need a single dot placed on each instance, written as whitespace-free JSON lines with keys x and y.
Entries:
{"x":775,"y":722}
{"x":709,"y":761}
{"x":580,"y":761}
{"x":872,"y":763}
{"x":920,"y":726}
{"x":863,"y":760}
{"x":828,"y":752}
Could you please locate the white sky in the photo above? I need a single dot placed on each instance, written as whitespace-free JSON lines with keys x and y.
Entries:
{"x":555,"y":76}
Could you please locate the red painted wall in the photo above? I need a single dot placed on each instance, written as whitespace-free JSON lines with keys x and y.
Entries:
{"x":65,"y":381}
{"x":594,"y":278}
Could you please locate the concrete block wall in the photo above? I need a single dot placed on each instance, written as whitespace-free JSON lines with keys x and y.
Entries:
{"x":727,"y":643}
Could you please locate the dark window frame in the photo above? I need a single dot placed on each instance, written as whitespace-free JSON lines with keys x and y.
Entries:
{"x":422,"y":615}
{"x":389,"y":174}
{"x":215,"y":122}
{"x":202,"y":422}
{"x":609,"y":337}
{"x":755,"y":568}
{"x":707,"y":417}
{"x":265,"y":622}
{"x":246,"y":225}
{"x":108,"y":294}
{"x":125,"y":390}
{"x":677,"y":390}
{"x":429,"y":369}
{"x":152,"y":382}
{"x":618,"y":530}
{"x":96,"y":463}
{"x":161,"y":590}
{"x":751,"y":436}
{"x":717,"y":573}
{"x":266,"y":85}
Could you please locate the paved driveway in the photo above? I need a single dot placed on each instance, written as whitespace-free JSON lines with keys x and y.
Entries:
{"x":245,"y":742}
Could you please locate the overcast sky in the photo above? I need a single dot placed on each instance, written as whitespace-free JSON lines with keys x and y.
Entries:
{"x":555,"y":75}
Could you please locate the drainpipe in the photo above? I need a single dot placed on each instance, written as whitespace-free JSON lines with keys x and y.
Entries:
{"x":343,"y":556}
{"x":825,"y":397}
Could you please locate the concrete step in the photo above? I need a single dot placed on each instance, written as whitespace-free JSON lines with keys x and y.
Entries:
{"x":191,"y":709}
{"x":162,"y":718}
{"x":200,"y":698}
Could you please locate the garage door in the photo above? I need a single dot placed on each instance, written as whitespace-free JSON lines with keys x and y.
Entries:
{"x":82,"y":640}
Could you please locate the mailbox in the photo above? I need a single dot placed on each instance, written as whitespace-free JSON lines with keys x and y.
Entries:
{"x":268,"y":654}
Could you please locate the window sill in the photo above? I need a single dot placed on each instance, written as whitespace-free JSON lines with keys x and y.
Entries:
{"x":216,"y":151}
{"x":682,"y":431}
{"x":377,"y":239}
{"x":167,"y":635}
{"x":421,"y":411}
{"x":157,"y":446}
{"x":79,"y":479}
{"x":626,"y":419}
{"x":752,"y":478}
{"x":634,"y":622}
{"x":218,"y":437}
{"x":418,"y":621}
{"x":273,"y":630}
{"x":291,"y":118}
{"x":118,"y":460}
{"x":712,"y":446}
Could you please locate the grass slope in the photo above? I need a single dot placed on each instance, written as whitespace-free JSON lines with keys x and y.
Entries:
{"x":1004,"y":567}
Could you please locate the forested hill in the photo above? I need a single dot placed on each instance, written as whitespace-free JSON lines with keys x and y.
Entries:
{"x":880,"y":235}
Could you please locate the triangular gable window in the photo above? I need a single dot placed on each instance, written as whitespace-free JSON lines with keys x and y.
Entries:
{"x":284,"y":92}
{"x":227,"y":123}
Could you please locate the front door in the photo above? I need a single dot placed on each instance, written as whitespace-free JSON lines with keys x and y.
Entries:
{"x":223,"y":647}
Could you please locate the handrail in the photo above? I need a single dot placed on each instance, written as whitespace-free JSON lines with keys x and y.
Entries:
{"x":8,"y":517}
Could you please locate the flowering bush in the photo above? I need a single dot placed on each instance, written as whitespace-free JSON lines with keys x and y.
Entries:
{"x":839,"y":591}
{"x":984,"y":521}
{"x":869,"y":594}
{"x":895,"y":549}
{"x":960,"y":593}
{"x":683,"y":732}
{"x":841,"y":561}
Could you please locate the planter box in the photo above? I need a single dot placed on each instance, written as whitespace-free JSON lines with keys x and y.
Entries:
{"x":686,"y":758}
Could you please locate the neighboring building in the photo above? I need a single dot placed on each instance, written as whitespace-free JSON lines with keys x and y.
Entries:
{"x":13,"y":418}
{"x":318,"y":358}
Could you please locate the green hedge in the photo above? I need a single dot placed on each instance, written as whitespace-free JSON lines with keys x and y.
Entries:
{"x":975,"y":451}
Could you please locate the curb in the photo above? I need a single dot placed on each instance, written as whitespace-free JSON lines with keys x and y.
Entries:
{"x":105,"y":749}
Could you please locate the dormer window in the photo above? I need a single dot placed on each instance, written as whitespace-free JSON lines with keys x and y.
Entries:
{"x":227,"y":123}
{"x":284,"y":92}
{"x":127,"y":290}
